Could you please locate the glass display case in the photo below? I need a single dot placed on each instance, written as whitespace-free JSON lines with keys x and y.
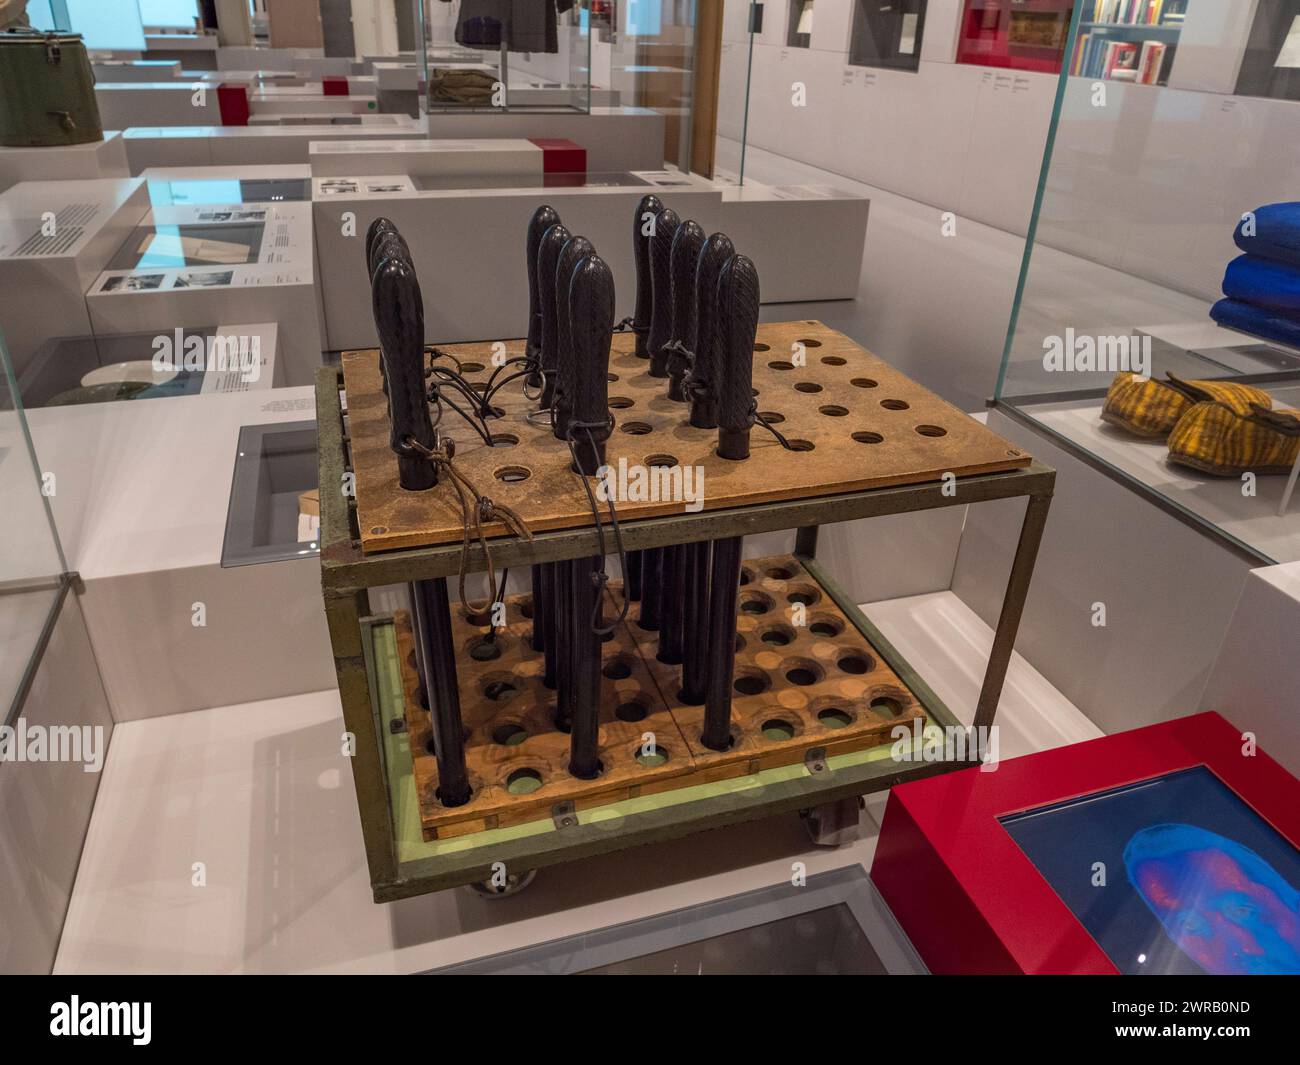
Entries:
{"x":1156,"y":329}
{"x":32,"y":569}
{"x":887,"y":33}
{"x":495,"y":55}
{"x":1020,"y":34}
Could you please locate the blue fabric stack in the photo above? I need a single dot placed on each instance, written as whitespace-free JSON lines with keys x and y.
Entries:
{"x":1262,"y":287}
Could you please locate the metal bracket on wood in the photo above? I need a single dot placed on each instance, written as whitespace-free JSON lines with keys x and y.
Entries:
{"x":564,"y":814}
{"x":815,"y":760}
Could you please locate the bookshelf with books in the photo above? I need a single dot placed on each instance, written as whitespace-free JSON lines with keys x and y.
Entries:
{"x":1128,"y":40}
{"x":1019,"y":34}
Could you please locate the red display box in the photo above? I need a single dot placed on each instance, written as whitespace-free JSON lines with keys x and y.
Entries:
{"x":561,"y":156}
{"x":1020,"y":34}
{"x":332,"y":85}
{"x":973,"y":901}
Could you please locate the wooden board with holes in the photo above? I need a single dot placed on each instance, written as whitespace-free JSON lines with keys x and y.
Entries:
{"x":845,"y":699}
{"x":859,"y":423}
{"x":795,"y":686}
{"x":516,"y":757}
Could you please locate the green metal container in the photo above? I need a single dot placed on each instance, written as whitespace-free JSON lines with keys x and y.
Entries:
{"x":47,"y":90}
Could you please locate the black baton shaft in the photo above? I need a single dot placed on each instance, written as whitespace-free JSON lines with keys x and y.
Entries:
{"x":723,"y":591}
{"x":671,"y":605}
{"x":695,"y":623}
{"x":651,"y":588}
{"x":553,"y":629}
{"x":433,"y":629}
{"x":584,"y":725}
{"x":539,"y":609}
{"x":632,"y":578}
{"x":562,"y":593}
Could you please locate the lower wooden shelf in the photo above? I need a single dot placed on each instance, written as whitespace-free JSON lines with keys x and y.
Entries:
{"x":807,"y":683}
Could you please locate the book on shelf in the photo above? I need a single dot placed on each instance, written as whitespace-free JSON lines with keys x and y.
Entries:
{"x":1136,"y":12}
{"x":1098,"y":56}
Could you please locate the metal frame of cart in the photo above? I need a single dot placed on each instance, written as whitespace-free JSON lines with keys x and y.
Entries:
{"x":346,"y":575}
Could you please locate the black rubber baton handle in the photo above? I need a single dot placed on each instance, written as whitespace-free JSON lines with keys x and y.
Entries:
{"x":737,"y":328}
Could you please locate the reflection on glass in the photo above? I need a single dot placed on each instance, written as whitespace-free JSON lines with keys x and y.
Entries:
{"x":887,"y":33}
{"x":1166,"y":240}
{"x":1172,"y":875}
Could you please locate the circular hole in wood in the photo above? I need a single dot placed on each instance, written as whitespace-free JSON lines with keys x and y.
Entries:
{"x":804,"y":594}
{"x":504,"y":440}
{"x":746,"y":577}
{"x":755,"y":603}
{"x":809,"y":343}
{"x":621,"y":402}
{"x":471,"y":367}
{"x":499,"y":690}
{"x":833,"y":360}
{"x":485,"y":650}
{"x":779,"y":573}
{"x":762,"y":347}
{"x":868,"y":437}
{"x":753,"y":391}
{"x":509,"y":735}
{"x":777,"y":729}
{"x":526,"y":607}
{"x":652,"y":757}
{"x":611,"y":377}
{"x":778,"y":635}
{"x":618,"y":668}
{"x":512,"y":474}
{"x":833,"y":411}
{"x":932,"y":430}
{"x":780,"y":364}
{"x":632,"y":710}
{"x":479,"y":386}
{"x":740,"y":643}
{"x":802,"y":672}
{"x":637,"y":428}
{"x":772,"y":417}
{"x":887,"y":706}
{"x":523,"y":782}
{"x":750,"y":681}
{"x":856,"y":664}
{"x":661,"y":462}
{"x":894,"y":404}
{"x":826,"y":625}
{"x":835,"y":717}
{"x":863,"y":382}
{"x":811,"y":387}
{"x":801,"y":445}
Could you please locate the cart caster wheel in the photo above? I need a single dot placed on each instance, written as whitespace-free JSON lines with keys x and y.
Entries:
{"x":515,"y":883}
{"x":834,"y":823}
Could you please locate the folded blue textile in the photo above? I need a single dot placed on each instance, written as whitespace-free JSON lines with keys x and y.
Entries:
{"x":1263,"y":282}
{"x":1276,"y":233}
{"x":1257,"y":321}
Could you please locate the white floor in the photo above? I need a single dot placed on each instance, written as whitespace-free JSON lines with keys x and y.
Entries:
{"x":227,"y":840}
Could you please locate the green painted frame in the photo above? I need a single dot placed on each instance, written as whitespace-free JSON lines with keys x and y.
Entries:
{"x":346,"y":575}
